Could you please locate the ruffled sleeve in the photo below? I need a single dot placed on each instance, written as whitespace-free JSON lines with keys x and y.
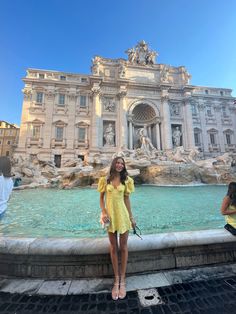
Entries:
{"x":129,"y":186}
{"x":102,"y":184}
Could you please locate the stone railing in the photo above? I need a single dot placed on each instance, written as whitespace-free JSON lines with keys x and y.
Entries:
{"x":30,"y":141}
{"x":58,"y":142}
{"x":230,"y":147}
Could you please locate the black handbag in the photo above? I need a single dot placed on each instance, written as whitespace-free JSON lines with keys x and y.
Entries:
{"x":231,"y":229}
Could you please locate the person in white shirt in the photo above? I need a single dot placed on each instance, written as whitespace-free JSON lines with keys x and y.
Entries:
{"x":6,"y":183}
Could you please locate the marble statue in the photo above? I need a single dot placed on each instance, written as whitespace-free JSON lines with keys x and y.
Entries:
{"x":226,"y":159}
{"x":150,"y":57}
{"x":146,"y":144}
{"x":96,"y":62}
{"x":174,"y":110}
{"x":122,"y":70}
{"x":142,"y":49}
{"x":132,"y":55}
{"x":141,"y":54}
{"x":109,"y":136}
{"x":176,"y":135}
{"x":178,"y":155}
{"x":165,"y":75}
{"x":109,"y":104}
{"x":194,"y":152}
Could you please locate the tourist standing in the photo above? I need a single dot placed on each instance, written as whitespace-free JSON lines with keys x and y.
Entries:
{"x":117,"y":216}
{"x":6,"y":183}
{"x":228,"y":208}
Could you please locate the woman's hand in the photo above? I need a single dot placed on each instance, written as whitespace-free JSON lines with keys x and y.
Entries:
{"x":133,"y":222}
{"x":104,"y":218}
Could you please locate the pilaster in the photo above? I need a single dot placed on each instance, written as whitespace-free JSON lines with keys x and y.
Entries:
{"x":188,"y":121}
{"x":24,"y":119}
{"x":96,"y":126}
{"x":217,"y":110}
{"x":49,"y":107}
{"x":123,"y":142}
{"x":71,"y":119}
{"x":201,"y":109}
{"x":166,"y":134}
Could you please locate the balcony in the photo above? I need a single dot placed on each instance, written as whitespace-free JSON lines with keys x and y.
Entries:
{"x":60,"y":109}
{"x":230,"y":148}
{"x":33,"y":141}
{"x":199,"y":146}
{"x":78,"y":144}
{"x":58,"y":143}
{"x":214,"y":147}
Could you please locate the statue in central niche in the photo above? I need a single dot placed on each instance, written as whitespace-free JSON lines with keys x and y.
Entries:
{"x":146,"y":143}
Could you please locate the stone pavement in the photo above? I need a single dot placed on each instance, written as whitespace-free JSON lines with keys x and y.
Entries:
{"x":203,"y":290}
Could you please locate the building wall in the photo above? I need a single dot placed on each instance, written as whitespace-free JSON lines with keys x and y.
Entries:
{"x":9,"y":134}
{"x":67,"y":115}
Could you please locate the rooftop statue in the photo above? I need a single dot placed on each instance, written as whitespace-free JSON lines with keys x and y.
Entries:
{"x":140,"y":54}
{"x":96,"y":63}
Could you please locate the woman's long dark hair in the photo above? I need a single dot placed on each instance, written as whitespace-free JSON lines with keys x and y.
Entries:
{"x":113,"y":173}
{"x":232,"y":193}
{"x":5,"y":166}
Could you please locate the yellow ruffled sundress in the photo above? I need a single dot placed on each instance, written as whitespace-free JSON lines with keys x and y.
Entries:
{"x":115,"y":205}
{"x":231,"y":219}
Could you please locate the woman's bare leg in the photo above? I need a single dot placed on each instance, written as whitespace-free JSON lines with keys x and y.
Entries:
{"x":124,"y":259}
{"x":115,"y":263}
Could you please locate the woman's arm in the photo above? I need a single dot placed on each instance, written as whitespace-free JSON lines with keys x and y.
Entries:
{"x":104,"y":214}
{"x":128,"y":206}
{"x":224,"y":207}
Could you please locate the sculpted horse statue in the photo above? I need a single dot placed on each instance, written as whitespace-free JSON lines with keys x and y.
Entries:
{"x":194,"y":152}
{"x":225,"y":158}
{"x":177,"y":155}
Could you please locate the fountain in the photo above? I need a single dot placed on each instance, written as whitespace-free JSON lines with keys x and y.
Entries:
{"x":145,"y":164}
{"x":49,"y":257}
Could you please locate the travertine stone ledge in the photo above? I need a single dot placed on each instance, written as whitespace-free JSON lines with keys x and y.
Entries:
{"x":90,"y":246}
{"x":56,"y":258}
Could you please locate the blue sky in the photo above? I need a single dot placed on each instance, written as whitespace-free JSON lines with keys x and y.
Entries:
{"x":64,"y":35}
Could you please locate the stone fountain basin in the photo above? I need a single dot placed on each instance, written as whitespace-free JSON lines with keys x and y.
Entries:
{"x":57,"y":258}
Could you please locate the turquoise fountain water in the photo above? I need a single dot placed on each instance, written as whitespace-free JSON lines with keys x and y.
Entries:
{"x":75,"y":213}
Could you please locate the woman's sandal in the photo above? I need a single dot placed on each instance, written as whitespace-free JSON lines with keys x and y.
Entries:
{"x":115,"y":290}
{"x":122,"y":292}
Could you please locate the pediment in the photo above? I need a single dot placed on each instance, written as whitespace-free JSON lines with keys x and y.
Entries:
{"x":59,"y":122}
{"x":36,"y":121}
{"x":82,"y":123}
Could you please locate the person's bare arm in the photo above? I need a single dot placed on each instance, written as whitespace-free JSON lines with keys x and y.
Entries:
{"x":128,"y":206}
{"x":224,"y":207}
{"x":104,"y":214}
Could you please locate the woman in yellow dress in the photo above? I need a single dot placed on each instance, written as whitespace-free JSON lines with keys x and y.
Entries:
{"x":228,"y":208}
{"x":117,"y":215}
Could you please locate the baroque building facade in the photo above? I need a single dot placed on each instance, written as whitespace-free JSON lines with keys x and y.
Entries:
{"x":68,"y":115}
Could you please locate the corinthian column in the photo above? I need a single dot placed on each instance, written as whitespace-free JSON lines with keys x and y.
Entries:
{"x":130,"y":132}
{"x":96,"y":127}
{"x":123,"y":142}
{"x":188,"y":119}
{"x":166,"y":134}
